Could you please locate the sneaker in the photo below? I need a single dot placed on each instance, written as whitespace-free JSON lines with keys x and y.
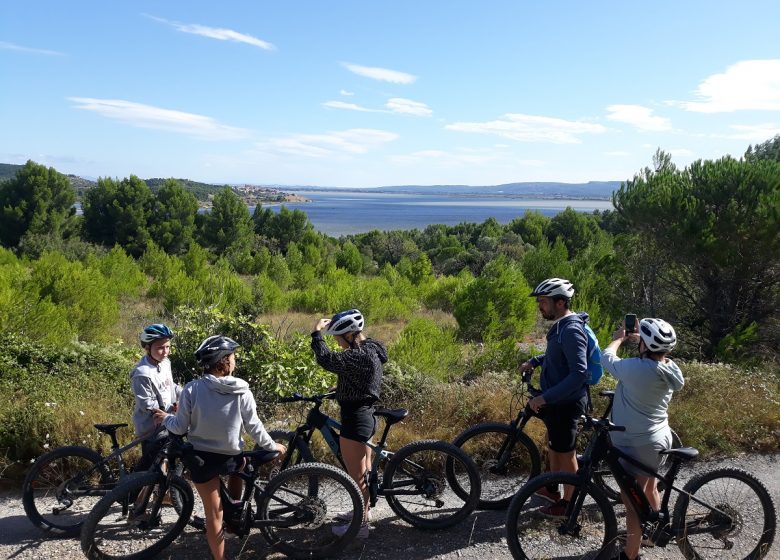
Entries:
{"x":556,"y":510}
{"x":197,"y":522}
{"x":339,"y":530}
{"x":545,"y":494}
{"x":346,"y":516}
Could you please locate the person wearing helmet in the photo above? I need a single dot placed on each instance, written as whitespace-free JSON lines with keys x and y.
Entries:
{"x":153,"y":387}
{"x":563,"y":380}
{"x":213,"y":411}
{"x":645,"y":387}
{"x":359,"y":370}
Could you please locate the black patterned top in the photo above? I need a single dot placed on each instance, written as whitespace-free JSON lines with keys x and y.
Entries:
{"x":359,"y":369}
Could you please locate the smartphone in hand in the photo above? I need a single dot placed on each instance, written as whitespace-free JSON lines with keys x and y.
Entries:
{"x":630,"y":322}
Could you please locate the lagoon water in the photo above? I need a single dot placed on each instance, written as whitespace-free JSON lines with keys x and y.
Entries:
{"x":343,"y":213}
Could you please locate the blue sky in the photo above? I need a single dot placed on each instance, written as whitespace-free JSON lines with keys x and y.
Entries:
{"x":384,"y":93}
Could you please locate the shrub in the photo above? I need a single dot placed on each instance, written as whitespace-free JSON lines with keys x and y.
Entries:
{"x":429,"y":348}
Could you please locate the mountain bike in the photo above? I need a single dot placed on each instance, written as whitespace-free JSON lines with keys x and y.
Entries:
{"x":504,"y":454}
{"x":602,"y":476}
{"x":295,"y":510}
{"x":430,"y":484}
{"x":62,"y":485}
{"x":725,"y":513}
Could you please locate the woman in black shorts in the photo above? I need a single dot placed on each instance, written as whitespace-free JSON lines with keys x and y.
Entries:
{"x":213,"y":411}
{"x":359,"y":370}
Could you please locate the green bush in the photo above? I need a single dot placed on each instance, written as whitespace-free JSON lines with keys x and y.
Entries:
{"x":429,"y":348}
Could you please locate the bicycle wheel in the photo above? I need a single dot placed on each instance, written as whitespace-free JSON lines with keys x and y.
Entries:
{"x":531,"y":535}
{"x":305,"y":521}
{"x":603,"y":478}
{"x":500,"y":479}
{"x":62,"y":486}
{"x":301,"y":452}
{"x":743,"y":525}
{"x":416,"y":484}
{"x":135,"y":520}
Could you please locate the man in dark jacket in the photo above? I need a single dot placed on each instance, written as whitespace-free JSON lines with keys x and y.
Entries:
{"x":564,"y":378}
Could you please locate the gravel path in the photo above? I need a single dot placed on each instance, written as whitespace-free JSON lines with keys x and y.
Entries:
{"x":480,"y":537}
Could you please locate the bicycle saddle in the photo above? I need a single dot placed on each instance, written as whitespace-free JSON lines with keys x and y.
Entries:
{"x":683,"y":453}
{"x":109,"y":428}
{"x":392,"y":415}
{"x":260,"y":456}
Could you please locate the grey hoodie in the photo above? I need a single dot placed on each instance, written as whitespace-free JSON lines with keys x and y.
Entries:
{"x":642,"y":397}
{"x":212,"y":412}
{"x":153,"y":387}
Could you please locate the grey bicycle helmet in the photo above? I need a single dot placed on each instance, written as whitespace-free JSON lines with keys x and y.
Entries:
{"x":155,"y":332}
{"x":554,"y":287}
{"x":658,"y":335}
{"x":214,"y":348}
{"x":346,"y":321}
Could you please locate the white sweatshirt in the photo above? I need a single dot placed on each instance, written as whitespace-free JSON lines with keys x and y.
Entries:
{"x":212,"y":412}
{"x":153,"y":388}
{"x":642,"y":397}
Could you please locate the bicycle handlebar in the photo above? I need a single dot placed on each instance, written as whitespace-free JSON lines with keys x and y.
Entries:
{"x":297,"y":397}
{"x":601,"y":423}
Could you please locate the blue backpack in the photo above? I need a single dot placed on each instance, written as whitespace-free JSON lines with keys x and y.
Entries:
{"x":595,"y":371}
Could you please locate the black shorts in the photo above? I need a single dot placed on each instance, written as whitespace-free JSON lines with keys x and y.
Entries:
{"x":150,"y":447}
{"x":561,"y":422}
{"x":357,"y":420}
{"x":214,"y":464}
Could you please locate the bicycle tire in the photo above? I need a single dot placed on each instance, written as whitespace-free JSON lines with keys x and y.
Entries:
{"x":743,"y":498}
{"x":603,"y":478}
{"x":287,"y":496}
{"x":422,"y":466}
{"x":483,"y":443}
{"x":107,"y":534}
{"x":531,"y":535}
{"x":46,"y":486}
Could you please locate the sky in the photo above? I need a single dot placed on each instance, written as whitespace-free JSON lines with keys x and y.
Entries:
{"x":376,"y":93}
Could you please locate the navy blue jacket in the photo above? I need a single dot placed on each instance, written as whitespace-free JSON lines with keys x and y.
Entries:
{"x":565,"y":362}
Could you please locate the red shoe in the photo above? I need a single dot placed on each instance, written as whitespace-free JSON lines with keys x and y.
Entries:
{"x":545,"y":494}
{"x":556,"y":510}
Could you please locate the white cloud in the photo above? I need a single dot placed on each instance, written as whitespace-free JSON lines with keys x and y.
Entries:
{"x":746,"y":85}
{"x":146,"y":116}
{"x":408,"y":107}
{"x":216,"y":33}
{"x":639,"y":117}
{"x":345,"y":142}
{"x":349,"y":107}
{"x":13,"y":47}
{"x":381,"y":74}
{"x":346,"y":93}
{"x":753,"y":132}
{"x":532,"y":128}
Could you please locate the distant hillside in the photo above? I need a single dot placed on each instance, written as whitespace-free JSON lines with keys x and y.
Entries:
{"x":202,"y":191}
{"x":8,"y":170}
{"x":590,"y":190}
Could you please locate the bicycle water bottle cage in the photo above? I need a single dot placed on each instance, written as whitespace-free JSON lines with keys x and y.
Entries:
{"x":391,"y":416}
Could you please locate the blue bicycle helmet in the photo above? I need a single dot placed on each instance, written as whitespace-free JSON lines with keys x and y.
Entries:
{"x":155,"y":332}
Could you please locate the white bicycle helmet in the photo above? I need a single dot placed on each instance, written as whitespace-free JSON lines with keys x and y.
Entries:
{"x":658,"y":335}
{"x":214,"y":348}
{"x":554,"y":287}
{"x":346,"y":321}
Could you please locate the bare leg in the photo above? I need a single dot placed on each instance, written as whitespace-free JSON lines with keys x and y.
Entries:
{"x":212,"y":507}
{"x":565,"y":462}
{"x":357,"y":459}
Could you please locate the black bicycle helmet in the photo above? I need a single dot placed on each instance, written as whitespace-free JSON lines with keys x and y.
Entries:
{"x":214,"y":348}
{"x":154,"y":332}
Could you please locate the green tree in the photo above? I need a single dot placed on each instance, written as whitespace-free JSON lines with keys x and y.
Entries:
{"x":117,"y":212}
{"x":172,"y":221}
{"x":349,"y":258}
{"x":532,"y":227}
{"x":36,"y":201}
{"x":766,"y":150}
{"x":716,"y":225}
{"x":576,"y":229}
{"x":228,"y":226}
{"x":284,"y":227}
{"x":495,"y":305}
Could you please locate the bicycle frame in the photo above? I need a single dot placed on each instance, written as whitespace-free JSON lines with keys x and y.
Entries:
{"x":660,"y":521}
